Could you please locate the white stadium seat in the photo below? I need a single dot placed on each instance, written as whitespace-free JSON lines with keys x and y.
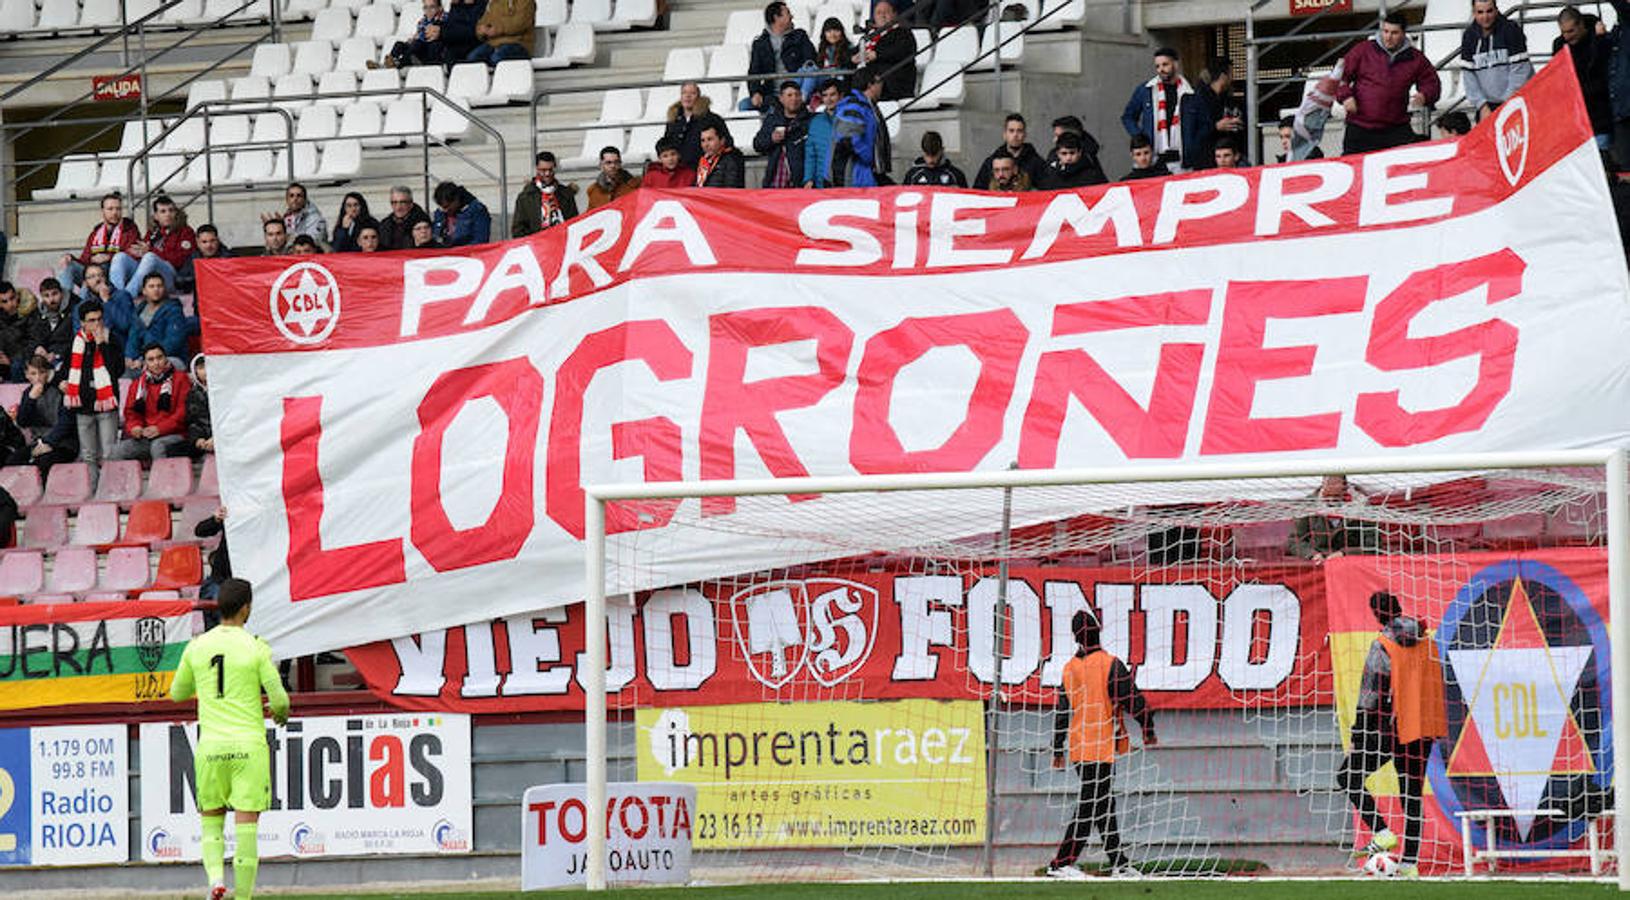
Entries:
{"x":636,"y":13}
{"x":550,"y":14}
{"x":76,"y":177}
{"x":305,"y":161}
{"x":136,"y":9}
{"x":332,"y":84}
{"x":302,"y":9}
{"x":642,"y":144}
{"x":951,"y":93}
{"x":431,"y":77}
{"x":923,"y":37}
{"x":468,"y":81}
{"x":377,"y":21}
{"x":744,"y":25}
{"x":446,"y":124}
{"x":958,"y":47}
{"x":596,"y":13}
{"x":729,"y":61}
{"x":685,"y":64}
{"x":355,"y":54}
{"x":341,"y":159}
{"x":1012,"y":49}
{"x":511,"y":82}
{"x":842,"y":11}
{"x":619,"y":106}
{"x":574,"y":45}
{"x":56,"y":15}
{"x":657,"y":101}
{"x":102,"y":15}
{"x":593,"y":140}
{"x":362,"y":119}
{"x":15,"y":16}
{"x":251,"y":167}
{"x":297,"y":87}
{"x":204,"y":91}
{"x":404,"y":121}
{"x":269,"y":127}
{"x":187,"y":12}
{"x":250,"y":87}
{"x":313,"y":58}
{"x":225,"y":131}
{"x":271,"y":61}
{"x":383,"y":80}
{"x":407,"y":23}
{"x":318,"y":122}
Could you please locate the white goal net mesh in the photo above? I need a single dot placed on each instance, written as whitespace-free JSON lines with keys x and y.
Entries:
{"x":1276,"y":675}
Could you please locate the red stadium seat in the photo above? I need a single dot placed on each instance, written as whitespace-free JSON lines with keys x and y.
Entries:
{"x":73,"y":571}
{"x":22,"y":483}
{"x":179,"y":566}
{"x":193,"y":511}
{"x":169,"y":479}
{"x":149,"y":523}
{"x":46,"y":526}
{"x":127,"y":569}
{"x":120,"y":481}
{"x":96,"y":524}
{"x":68,"y":483}
{"x":208,"y":481}
{"x":49,"y":599}
{"x":22,"y":572}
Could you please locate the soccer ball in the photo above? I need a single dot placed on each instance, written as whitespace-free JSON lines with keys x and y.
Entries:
{"x":1381,"y":865}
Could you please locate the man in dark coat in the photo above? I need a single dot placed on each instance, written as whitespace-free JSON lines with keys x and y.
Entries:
{"x":778,"y":48}
{"x":396,"y":229}
{"x":781,"y":136}
{"x":721,"y":165}
{"x":1025,"y":155}
{"x":1072,"y":168}
{"x":889,"y":47}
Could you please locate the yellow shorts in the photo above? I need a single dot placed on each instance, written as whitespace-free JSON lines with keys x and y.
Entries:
{"x":238,"y":778}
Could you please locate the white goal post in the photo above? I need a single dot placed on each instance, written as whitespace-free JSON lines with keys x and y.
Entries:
{"x":1612,"y":463}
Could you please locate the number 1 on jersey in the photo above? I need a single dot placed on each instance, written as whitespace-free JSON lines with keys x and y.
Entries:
{"x":219,"y":662}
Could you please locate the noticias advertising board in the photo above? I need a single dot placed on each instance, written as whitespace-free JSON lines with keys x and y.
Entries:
{"x":341,"y":785}
{"x":825,"y":774}
{"x":64,"y":795}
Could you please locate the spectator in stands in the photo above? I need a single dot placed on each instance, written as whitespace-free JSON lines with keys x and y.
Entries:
{"x":818,"y":145}
{"x":458,"y":33}
{"x":15,"y":331}
{"x":460,"y":219}
{"x":781,"y":136}
{"x":1380,"y":78}
{"x":613,"y":181}
{"x":835,"y":51}
{"x":424,"y":235}
{"x":1018,"y":149}
{"x":1287,"y":135}
{"x":1455,"y":124}
{"x":159,"y":320}
{"x":889,"y":48}
{"x":1227,"y":112}
{"x":1144,"y":164}
{"x":667,"y":171}
{"x":41,"y":411}
{"x":1493,"y":58}
{"x":861,"y":156}
{"x":1229,"y":152}
{"x":778,"y":48}
{"x":110,"y":237}
{"x":1005,"y":174}
{"x":200,"y":430}
{"x":1166,"y":110}
{"x":118,"y":309}
{"x":354,"y":216}
{"x":89,"y":386}
{"x":1089,"y":144}
{"x":301,"y":217}
{"x":1329,"y":535}
{"x":396,"y":230}
{"x":425,"y":48}
{"x":1071,"y":168}
{"x":220,"y":562}
{"x":276,"y":236}
{"x":722,"y":165}
{"x":685,"y":117}
{"x":368,"y":239}
{"x":51,"y":329}
{"x":1592,"y":58}
{"x":168,"y":244}
{"x":932,"y":168}
{"x":304,"y":245}
{"x":544,"y":202}
{"x":155,"y":410}
{"x":207,"y":245}
{"x":506,"y":31}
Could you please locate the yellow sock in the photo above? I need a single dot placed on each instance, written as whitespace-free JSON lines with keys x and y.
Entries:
{"x":245,"y":861}
{"x":214,"y":848}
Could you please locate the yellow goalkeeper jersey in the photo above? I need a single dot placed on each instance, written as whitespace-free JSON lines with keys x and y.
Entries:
{"x":226,"y":668}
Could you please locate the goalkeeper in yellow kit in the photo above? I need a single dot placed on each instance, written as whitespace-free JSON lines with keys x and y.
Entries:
{"x":226,"y":668}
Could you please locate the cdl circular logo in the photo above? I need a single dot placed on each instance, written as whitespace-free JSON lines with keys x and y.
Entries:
{"x":305,"y":303}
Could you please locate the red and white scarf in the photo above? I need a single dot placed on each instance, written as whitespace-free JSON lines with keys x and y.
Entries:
{"x":703,"y":167}
{"x":148,"y":382}
{"x":1168,"y":134}
{"x":549,"y":204}
{"x":871,"y":38}
{"x":106,"y":400}
{"x":107,"y":238}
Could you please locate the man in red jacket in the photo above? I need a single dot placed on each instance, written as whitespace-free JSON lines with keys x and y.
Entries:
{"x":109,"y":238}
{"x":667,"y":170}
{"x":1379,"y":79}
{"x":167,"y":247}
{"x":155,"y":410}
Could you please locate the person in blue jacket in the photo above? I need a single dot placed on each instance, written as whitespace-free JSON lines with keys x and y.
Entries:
{"x":159,"y":320}
{"x":818,"y":146}
{"x":1166,"y":110}
{"x":860,"y":142}
{"x":460,"y":219}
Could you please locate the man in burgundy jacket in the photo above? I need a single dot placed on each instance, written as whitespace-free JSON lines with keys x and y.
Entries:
{"x":167,"y":247}
{"x":155,"y":410}
{"x":1379,"y":78}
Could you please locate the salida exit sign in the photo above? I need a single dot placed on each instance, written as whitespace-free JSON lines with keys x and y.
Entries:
{"x":1309,"y":7}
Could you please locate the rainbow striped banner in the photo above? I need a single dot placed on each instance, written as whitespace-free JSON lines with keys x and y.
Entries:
{"x":115,"y":652}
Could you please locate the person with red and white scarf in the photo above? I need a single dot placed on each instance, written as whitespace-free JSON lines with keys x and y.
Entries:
{"x":90,"y":384}
{"x":155,"y":410}
{"x":111,"y":236}
{"x":543,"y":202}
{"x":1167,"y":111}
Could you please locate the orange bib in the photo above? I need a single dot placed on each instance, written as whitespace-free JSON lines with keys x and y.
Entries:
{"x":1417,"y":690}
{"x":1096,"y":734}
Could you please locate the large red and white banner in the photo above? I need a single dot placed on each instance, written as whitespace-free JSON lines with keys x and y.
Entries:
{"x":1239,"y":636}
{"x":404,"y":437}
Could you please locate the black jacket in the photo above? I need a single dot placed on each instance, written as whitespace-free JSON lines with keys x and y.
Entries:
{"x":729,"y":172}
{"x":896,"y":46}
{"x":199,"y":427}
{"x":1591,"y":60}
{"x":796,"y":50}
{"x":458,"y":35}
{"x":394,"y":235}
{"x":345,"y":239}
{"x":16,"y":332}
{"x":1083,"y":173}
{"x":1158,"y":170}
{"x":1030,"y":163}
{"x":687,"y":133}
{"x":220,"y":563}
{"x":58,"y":338}
{"x":528,"y":215}
{"x":942,"y":174}
{"x":49,"y":419}
{"x":792,"y":144}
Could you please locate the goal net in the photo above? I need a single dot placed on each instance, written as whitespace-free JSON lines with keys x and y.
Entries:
{"x":1301,"y":674}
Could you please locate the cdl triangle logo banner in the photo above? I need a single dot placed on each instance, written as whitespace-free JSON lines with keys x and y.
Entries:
{"x":405,"y":437}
